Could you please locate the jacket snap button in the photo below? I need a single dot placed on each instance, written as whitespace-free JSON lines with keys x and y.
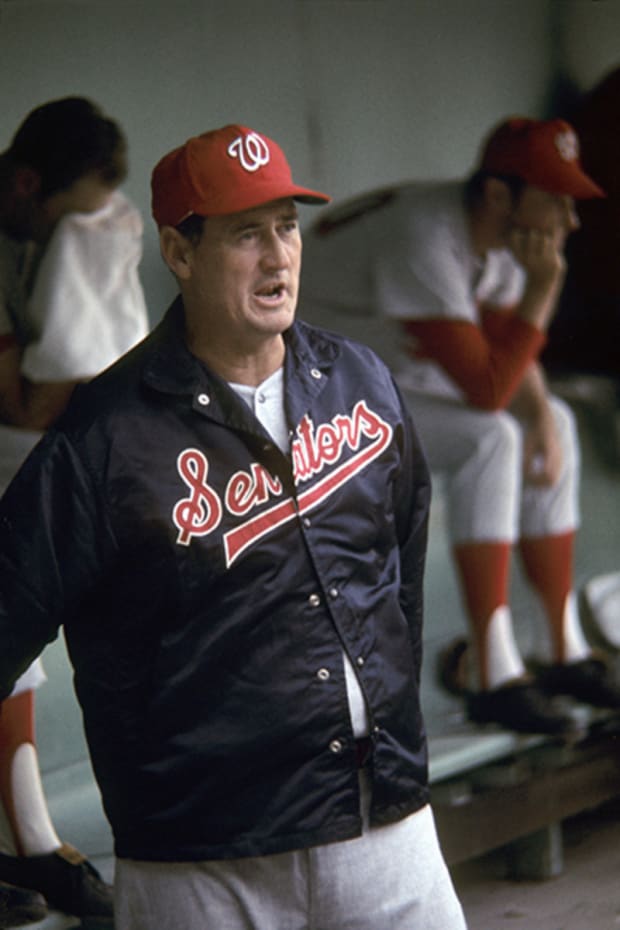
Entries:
{"x":203,"y":400}
{"x":335,"y":746}
{"x":315,"y":373}
{"x":323,"y":674}
{"x":314,"y":600}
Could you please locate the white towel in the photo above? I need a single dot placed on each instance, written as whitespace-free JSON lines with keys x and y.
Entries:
{"x":87,"y":306}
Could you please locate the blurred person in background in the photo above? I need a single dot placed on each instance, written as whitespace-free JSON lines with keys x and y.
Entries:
{"x":70,"y":303}
{"x":463,"y":278}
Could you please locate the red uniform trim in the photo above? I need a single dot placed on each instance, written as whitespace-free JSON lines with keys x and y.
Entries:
{"x":17,"y":726}
{"x":486,"y":362}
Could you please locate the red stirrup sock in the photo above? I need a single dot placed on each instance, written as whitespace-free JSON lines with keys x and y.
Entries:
{"x":16,"y":728}
{"x":484,"y":571}
{"x":548,"y":564}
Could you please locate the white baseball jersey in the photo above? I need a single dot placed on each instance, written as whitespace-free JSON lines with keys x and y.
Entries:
{"x":403,"y":253}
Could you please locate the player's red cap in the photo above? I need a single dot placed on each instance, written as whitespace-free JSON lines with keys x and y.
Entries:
{"x":544,"y":153}
{"x":223,"y":171}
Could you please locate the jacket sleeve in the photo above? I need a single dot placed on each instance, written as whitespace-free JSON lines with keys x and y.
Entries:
{"x":412,"y":497}
{"x":49,"y":552}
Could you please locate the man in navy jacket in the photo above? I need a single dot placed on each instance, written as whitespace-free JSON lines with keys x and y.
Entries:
{"x":231,"y":525}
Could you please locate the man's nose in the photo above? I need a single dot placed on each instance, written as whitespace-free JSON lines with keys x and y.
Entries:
{"x":275,"y":254}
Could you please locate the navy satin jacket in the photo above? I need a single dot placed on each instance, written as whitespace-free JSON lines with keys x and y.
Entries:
{"x":208,"y":583}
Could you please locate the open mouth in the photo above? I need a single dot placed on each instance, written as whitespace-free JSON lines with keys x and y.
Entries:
{"x":271,"y":292}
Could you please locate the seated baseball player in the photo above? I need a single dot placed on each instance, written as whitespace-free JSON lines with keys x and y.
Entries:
{"x":459,"y":281}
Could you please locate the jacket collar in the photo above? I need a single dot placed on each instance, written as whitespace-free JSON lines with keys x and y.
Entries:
{"x":170,"y":366}
{"x":172,"y":369}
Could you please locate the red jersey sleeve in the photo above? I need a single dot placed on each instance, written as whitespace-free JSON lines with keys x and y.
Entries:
{"x":487,"y":362}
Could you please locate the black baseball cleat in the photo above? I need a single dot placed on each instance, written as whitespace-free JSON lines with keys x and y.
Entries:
{"x":591,"y":681}
{"x":67,"y":881}
{"x":452,"y":667}
{"x":520,"y":706}
{"x":20,"y":906}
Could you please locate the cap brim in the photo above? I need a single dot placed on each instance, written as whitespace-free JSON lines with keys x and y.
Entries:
{"x":588,"y":189}
{"x":313,"y":197}
{"x":574,"y":183}
{"x":238,"y":202}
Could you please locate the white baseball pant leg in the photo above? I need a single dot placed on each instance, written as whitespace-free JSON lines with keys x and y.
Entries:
{"x":480,"y":455}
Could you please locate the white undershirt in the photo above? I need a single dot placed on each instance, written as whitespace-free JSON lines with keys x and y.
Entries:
{"x":267,"y":404}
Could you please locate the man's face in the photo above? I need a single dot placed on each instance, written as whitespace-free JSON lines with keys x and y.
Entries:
{"x":243,"y":277}
{"x":24,"y":215}
{"x":88,"y":194}
{"x":553,"y":215}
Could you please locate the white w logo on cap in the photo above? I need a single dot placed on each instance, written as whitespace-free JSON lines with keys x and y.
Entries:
{"x":251,"y":150}
{"x":567,"y":145}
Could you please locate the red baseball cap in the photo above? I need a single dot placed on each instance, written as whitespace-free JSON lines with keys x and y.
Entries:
{"x":223,"y":171}
{"x":544,"y":153}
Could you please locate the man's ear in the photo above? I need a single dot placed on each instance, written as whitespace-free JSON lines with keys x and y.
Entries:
{"x":176,"y":251}
{"x":497,"y":197}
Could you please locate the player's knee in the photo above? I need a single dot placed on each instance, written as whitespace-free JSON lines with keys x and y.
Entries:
{"x":564,"y":421}
{"x":502,"y":441}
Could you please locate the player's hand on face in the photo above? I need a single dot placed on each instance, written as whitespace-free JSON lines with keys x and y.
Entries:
{"x":539,"y":252}
{"x":540,"y":224}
